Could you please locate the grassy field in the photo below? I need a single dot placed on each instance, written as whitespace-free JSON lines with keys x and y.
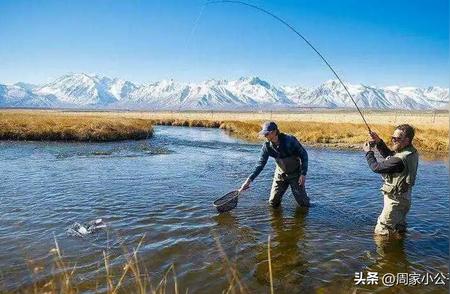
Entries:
{"x":427,"y":119}
{"x":54,"y":126}
{"x":335,"y":129}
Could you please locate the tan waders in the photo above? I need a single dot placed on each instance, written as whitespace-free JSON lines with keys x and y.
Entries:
{"x":393,"y":217}
{"x":287,"y":174}
{"x":396,"y":192}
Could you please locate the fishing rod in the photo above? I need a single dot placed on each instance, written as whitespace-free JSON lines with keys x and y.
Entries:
{"x":301,"y":36}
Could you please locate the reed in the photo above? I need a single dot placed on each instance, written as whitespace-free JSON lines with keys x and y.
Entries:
{"x":342,"y":135}
{"x":132,"y":274}
{"x":431,"y":138}
{"x":136,"y":278}
{"x":57,"y":127}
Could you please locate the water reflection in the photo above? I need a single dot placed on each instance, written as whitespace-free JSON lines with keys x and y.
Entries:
{"x":165,"y":191}
{"x":288,"y":244}
{"x":226,"y":221}
{"x":234,"y":236}
{"x":391,"y":255}
{"x":392,"y":259}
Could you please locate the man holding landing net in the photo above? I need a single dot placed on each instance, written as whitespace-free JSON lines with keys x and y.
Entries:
{"x":291,"y":165}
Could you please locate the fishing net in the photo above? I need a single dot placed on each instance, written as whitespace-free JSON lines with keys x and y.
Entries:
{"x":227,"y":202}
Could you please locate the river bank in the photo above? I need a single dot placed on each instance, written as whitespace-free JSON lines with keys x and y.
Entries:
{"x":324,"y":129}
{"x":53,"y":126}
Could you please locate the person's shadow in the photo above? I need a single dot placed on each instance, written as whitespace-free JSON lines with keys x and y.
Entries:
{"x":287,"y":248}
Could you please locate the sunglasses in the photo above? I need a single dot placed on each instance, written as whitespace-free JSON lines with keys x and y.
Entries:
{"x":270,"y":132}
{"x":396,"y":139}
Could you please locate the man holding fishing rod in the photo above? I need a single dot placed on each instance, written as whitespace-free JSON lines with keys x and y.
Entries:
{"x":292,"y":165}
{"x":398,"y":170}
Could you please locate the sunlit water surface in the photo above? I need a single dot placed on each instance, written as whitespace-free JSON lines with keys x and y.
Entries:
{"x":164,"y":187}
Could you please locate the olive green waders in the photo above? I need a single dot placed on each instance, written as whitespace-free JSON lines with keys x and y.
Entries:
{"x":287,"y":173}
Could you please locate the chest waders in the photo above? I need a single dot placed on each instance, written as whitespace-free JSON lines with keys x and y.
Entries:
{"x":396,"y":189}
{"x":287,"y":173}
{"x":288,"y":166}
{"x":398,"y":183}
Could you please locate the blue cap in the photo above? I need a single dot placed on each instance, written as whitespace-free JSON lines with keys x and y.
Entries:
{"x":267,"y":127}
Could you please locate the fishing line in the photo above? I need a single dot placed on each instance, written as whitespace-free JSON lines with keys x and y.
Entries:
{"x":298,"y":34}
{"x":195,"y":25}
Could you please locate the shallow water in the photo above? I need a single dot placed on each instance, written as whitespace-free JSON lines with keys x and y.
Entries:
{"x":163,"y":188}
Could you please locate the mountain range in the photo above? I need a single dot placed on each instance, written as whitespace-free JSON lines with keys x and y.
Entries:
{"x":80,"y":90}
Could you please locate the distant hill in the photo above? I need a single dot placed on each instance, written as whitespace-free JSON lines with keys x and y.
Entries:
{"x":82,"y":90}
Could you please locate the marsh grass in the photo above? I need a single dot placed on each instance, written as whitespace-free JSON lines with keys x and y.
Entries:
{"x":41,"y":126}
{"x":111,"y":126}
{"x":342,"y":135}
{"x":132,"y":276}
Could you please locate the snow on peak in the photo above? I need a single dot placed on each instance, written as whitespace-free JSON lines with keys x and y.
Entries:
{"x":254,"y":81}
{"x":90,"y":90}
{"x":79,"y":89}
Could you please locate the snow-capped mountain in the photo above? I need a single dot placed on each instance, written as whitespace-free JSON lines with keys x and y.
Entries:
{"x":435,"y":97}
{"x":259,"y":91}
{"x":332,"y":94}
{"x":26,"y":86}
{"x":80,"y":89}
{"x":92,"y":91}
{"x":19,"y":96}
{"x":295,"y":93}
{"x":120,"y":89}
{"x":244,"y":92}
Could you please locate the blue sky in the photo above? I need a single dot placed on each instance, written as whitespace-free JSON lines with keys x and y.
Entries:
{"x":371,"y":42}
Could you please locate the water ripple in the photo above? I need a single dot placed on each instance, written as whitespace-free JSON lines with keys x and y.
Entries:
{"x":162,"y":189}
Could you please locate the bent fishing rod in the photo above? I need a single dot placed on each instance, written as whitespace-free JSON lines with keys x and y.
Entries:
{"x":301,"y":36}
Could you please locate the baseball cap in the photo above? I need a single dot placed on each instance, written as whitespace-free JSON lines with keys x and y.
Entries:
{"x":267,"y":127}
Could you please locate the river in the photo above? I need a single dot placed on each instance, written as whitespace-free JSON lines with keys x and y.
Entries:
{"x":162,"y":190}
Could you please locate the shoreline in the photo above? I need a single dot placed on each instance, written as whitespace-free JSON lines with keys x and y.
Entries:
{"x":27,"y":125}
{"x":22,"y":126}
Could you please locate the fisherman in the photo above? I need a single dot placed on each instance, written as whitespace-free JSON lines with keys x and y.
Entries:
{"x":398,"y":170}
{"x":291,"y":165}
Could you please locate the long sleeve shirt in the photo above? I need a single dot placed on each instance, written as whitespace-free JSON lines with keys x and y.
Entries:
{"x":288,"y":146}
{"x":386,"y":166}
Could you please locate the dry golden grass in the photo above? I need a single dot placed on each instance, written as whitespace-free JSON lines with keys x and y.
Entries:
{"x":131,"y":278}
{"x":63,"y":279}
{"x":336,"y":129}
{"x":342,"y":135}
{"x":56,"y":126}
{"x":427,"y":119}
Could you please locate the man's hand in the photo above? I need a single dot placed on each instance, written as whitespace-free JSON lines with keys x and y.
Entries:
{"x":245,"y":185}
{"x":367,"y":147}
{"x":374,"y":136}
{"x":302,"y":180}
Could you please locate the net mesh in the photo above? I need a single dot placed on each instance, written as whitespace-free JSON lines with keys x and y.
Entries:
{"x":227,"y":202}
